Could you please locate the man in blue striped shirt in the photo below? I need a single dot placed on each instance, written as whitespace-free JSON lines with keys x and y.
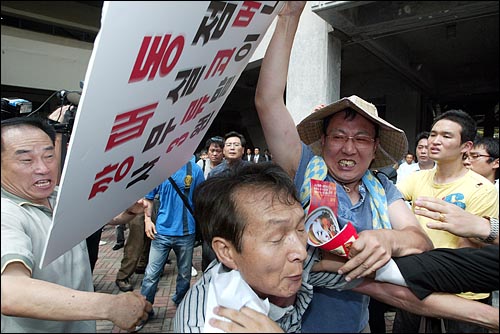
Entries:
{"x":256,"y":226}
{"x":264,"y":277}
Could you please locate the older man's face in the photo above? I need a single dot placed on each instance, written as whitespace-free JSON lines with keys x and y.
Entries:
{"x":348,"y":161}
{"x":29,"y":164}
{"x":273,"y":245}
{"x":232,"y":149}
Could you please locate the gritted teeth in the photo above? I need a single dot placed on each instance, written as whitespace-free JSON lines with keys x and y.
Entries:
{"x":347,"y":163}
{"x":42,"y":183}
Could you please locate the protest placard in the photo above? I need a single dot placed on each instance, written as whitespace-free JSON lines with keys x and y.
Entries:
{"x":158,"y":75}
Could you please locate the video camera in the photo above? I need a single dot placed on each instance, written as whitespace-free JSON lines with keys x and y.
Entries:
{"x":63,"y":117}
{"x":14,"y":106}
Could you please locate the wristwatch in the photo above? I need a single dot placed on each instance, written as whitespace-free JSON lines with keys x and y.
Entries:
{"x":493,"y":230}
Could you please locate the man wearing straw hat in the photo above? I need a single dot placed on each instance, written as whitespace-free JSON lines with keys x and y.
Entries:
{"x":339,"y":143}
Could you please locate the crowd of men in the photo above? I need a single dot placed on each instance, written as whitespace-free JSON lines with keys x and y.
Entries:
{"x":435,"y":229}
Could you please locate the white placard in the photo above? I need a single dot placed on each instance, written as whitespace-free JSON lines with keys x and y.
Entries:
{"x":158,"y":75}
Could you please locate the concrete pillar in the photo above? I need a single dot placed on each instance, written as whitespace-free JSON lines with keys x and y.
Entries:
{"x":314,"y":71}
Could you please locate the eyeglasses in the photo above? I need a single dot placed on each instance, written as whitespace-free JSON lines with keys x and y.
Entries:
{"x":475,"y":156}
{"x":236,"y":145}
{"x":360,"y":141}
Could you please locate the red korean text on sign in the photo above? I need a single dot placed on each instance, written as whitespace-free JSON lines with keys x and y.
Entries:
{"x":195,"y":108}
{"x":106,"y":176}
{"x":245,"y":15}
{"x":202,"y":124}
{"x":130,"y":125}
{"x":220,"y":62}
{"x":152,"y":57}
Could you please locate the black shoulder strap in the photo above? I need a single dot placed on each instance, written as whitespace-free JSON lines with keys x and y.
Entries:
{"x":376,"y":172}
{"x":183,"y":197}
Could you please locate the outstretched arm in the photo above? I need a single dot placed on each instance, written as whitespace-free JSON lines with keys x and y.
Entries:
{"x":374,"y":248}
{"x":438,"y":270}
{"x":437,"y":305}
{"x":140,"y":206}
{"x":277,"y":123}
{"x":23,"y":296}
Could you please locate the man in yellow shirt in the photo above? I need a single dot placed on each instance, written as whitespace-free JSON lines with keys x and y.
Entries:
{"x":451,"y":137}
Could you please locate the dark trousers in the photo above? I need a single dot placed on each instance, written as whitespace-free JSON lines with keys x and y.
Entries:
{"x":377,"y":311}
{"x":136,"y":250}
{"x":93,"y":247}
{"x":120,"y":233}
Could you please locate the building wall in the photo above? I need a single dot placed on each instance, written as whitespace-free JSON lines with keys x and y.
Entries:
{"x":41,"y":61}
{"x":315,"y":77}
{"x":52,"y":63}
{"x":314,"y":70}
{"x":401,"y":103}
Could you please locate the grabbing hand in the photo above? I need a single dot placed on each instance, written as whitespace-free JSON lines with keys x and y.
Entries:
{"x":450,"y":217}
{"x":245,"y":320}
{"x":129,"y":310}
{"x":368,"y":253}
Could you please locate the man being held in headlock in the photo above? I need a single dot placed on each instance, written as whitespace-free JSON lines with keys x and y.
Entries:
{"x":263,"y":279}
{"x":339,"y":144}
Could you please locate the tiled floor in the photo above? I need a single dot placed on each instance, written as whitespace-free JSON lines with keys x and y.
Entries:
{"x":108,"y":265}
{"x":105,"y":271}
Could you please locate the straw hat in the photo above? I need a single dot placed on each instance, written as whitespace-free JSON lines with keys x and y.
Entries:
{"x":393,"y":143}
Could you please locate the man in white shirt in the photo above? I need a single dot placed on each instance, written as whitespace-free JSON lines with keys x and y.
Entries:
{"x":214,"y":147}
{"x":422,"y":152}
{"x":408,"y":166}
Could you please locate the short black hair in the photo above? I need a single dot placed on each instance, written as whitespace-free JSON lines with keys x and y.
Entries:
{"x":37,"y":122}
{"x":421,"y":135}
{"x":217,"y":209}
{"x":217,"y":140}
{"x":490,"y":145}
{"x":236,"y":134}
{"x":349,"y":114}
{"x":466,"y":122}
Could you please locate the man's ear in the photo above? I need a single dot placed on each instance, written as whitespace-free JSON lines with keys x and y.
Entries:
{"x":467,"y":146}
{"x":224,"y":250}
{"x":495,"y":164}
{"x":375,"y":147}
